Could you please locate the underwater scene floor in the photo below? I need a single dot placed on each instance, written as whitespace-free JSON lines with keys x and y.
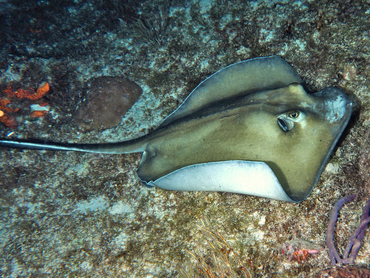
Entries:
{"x":107,"y":71}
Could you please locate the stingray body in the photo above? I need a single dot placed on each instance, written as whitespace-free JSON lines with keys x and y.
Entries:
{"x":250,"y":128}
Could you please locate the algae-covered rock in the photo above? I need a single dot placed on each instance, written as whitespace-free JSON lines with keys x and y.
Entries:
{"x":107,"y":102}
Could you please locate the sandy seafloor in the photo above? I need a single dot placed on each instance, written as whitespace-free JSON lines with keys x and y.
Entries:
{"x":87,"y":215}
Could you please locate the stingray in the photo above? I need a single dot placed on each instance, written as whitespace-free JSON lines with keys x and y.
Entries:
{"x":250,"y":128}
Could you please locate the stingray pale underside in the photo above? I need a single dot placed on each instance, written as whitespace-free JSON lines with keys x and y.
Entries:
{"x":250,"y":128}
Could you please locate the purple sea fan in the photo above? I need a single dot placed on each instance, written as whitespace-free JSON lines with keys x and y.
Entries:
{"x":352,"y":248}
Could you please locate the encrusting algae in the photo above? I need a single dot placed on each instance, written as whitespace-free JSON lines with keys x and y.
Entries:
{"x":30,"y":93}
{"x":220,"y":260}
{"x":6,"y":111}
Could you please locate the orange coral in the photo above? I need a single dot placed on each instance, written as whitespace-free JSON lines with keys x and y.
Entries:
{"x":43,"y":89}
{"x":38,"y":114}
{"x":9,"y":120}
{"x":30,"y":93}
{"x":4,"y":118}
{"x":4,"y":105}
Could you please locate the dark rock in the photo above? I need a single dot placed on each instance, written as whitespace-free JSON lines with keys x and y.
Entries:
{"x":107,"y":102}
{"x":349,"y":271}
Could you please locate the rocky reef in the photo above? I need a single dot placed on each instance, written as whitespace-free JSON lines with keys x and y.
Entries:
{"x":108,"y":100}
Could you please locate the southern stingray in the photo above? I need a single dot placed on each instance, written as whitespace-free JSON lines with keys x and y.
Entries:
{"x":250,"y":128}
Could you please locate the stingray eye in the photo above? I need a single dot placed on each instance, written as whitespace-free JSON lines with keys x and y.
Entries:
{"x":294,"y":114}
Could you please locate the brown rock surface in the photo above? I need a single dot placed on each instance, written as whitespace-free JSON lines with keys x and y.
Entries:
{"x":344,"y":271}
{"x":108,"y":100}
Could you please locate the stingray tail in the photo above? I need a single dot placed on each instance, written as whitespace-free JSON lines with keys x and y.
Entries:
{"x":130,"y":146}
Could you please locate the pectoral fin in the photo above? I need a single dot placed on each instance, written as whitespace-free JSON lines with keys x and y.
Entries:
{"x":235,"y":176}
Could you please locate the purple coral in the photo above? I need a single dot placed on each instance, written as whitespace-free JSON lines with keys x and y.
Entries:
{"x":354,"y":243}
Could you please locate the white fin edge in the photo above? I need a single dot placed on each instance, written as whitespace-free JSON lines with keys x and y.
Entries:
{"x":234,"y":176}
